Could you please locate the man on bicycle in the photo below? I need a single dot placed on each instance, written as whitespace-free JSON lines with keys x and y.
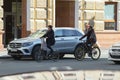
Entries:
{"x":50,"y":40}
{"x":91,"y":37}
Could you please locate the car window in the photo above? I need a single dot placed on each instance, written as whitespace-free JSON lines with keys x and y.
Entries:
{"x":38,"y":33}
{"x":68,"y":33}
{"x":79,"y":33}
{"x":58,"y":33}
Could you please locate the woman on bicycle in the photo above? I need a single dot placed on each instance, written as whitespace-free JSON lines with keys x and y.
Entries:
{"x":91,"y":37}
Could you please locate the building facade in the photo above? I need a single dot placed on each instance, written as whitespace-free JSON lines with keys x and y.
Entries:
{"x":18,"y":18}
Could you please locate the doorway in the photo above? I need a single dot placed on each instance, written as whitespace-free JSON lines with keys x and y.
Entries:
{"x":65,"y":13}
{"x":12,"y":20}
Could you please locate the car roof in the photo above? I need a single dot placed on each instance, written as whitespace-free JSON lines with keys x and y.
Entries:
{"x":56,"y":28}
{"x":68,"y":28}
{"x":64,"y":28}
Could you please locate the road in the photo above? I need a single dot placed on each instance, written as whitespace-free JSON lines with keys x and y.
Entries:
{"x":10,"y":66}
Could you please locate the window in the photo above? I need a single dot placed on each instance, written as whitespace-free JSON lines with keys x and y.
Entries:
{"x":68,"y":33}
{"x":109,"y":25}
{"x":58,"y":33}
{"x":79,"y":34}
{"x":110,"y":16}
{"x":109,"y":12}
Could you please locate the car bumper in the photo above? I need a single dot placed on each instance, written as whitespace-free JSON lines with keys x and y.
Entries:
{"x":114,"y":57}
{"x":19,"y":51}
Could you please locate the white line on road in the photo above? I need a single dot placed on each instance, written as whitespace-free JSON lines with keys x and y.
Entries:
{"x":53,"y":68}
{"x":67,"y":67}
{"x":63,"y":67}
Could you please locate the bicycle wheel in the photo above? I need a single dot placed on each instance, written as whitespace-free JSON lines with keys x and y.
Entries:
{"x":55,"y":56}
{"x":79,"y":53}
{"x":96,"y":53}
{"x":39,"y":56}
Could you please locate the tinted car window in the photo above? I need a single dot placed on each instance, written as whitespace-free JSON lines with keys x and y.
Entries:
{"x":38,"y":33}
{"x":78,"y":33}
{"x":58,"y":33}
{"x":70,"y":33}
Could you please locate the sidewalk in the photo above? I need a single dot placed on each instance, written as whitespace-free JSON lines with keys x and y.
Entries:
{"x":104,"y":52}
{"x":4,"y":54}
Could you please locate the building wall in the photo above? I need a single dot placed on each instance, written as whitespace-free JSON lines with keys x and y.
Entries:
{"x":91,"y":8}
{"x":41,"y":14}
{"x":1,"y":24}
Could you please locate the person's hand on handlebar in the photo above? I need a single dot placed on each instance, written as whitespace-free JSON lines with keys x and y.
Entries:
{"x":43,"y":37}
{"x":80,"y":39}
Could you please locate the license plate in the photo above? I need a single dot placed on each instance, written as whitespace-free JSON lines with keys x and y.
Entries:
{"x":116,"y":53}
{"x":14,"y":50}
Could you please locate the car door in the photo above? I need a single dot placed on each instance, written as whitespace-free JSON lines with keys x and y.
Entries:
{"x":59,"y":40}
{"x":70,"y":39}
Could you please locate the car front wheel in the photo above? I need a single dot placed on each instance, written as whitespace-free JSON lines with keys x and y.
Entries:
{"x":61,"y":55}
{"x":35,"y":51}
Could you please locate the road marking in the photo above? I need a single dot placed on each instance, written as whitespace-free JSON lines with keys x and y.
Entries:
{"x":53,"y":68}
{"x":67,"y":67}
{"x":64,"y":67}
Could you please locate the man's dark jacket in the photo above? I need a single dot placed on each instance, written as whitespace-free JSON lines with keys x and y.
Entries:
{"x":50,"y":37}
{"x":91,"y":37}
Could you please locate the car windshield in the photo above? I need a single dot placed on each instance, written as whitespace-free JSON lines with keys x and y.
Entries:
{"x":38,"y":33}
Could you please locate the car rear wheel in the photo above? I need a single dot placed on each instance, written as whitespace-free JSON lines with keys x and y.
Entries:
{"x":61,"y":55}
{"x":16,"y":57}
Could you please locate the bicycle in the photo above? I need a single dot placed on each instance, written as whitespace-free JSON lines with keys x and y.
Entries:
{"x":44,"y":52}
{"x":83,"y":49}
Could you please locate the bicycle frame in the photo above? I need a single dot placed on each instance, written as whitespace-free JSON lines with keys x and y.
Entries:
{"x":86,"y":48}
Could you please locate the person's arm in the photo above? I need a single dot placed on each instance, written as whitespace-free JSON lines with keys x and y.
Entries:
{"x":45,"y":35}
{"x":88,"y":32}
{"x":82,"y":37}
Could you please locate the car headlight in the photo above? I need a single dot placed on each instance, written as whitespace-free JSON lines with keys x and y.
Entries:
{"x":27,"y":44}
{"x":110,"y":50}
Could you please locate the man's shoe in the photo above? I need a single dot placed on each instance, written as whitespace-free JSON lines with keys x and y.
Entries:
{"x":89,"y":54}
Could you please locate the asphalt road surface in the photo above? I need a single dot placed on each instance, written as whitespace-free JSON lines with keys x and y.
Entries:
{"x":11,"y":66}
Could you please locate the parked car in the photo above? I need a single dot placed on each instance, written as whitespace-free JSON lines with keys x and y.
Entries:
{"x":67,"y":40}
{"x":114,"y":53}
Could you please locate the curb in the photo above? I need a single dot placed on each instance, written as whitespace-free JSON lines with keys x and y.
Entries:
{"x":65,"y":75}
{"x":5,"y":57}
{"x":3,"y":54}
